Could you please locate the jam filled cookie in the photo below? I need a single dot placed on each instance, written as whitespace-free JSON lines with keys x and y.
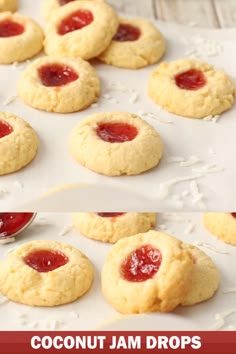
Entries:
{"x":49,"y":6}
{"x":146,"y":272}
{"x":45,"y":273}
{"x":20,"y":38}
{"x":222,"y":225}
{"x":81,"y":29}
{"x":110,"y":227}
{"x":18,"y":143}
{"x":136,"y":44}
{"x":59,"y":84}
{"x":8,"y":5}
{"x":116,"y":143}
{"x":204,"y":280}
{"x":191,"y":88}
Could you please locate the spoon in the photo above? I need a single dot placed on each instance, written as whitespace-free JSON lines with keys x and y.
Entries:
{"x":12,"y":224}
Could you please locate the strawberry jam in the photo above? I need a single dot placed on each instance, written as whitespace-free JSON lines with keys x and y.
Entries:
{"x":75,"y":21}
{"x":13,"y":222}
{"x":5,"y":129}
{"x":54,"y":75}
{"x":45,"y":260}
{"x":116,"y":132}
{"x":191,"y":80}
{"x":142,"y":264}
{"x":234,"y":215}
{"x":9,"y":28}
{"x":127,"y":33}
{"x":64,"y":2}
{"x":110,"y":215}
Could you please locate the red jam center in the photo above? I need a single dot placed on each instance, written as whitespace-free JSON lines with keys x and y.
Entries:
{"x":234,"y":215}
{"x":127,"y":33}
{"x":10,"y":29}
{"x":54,"y":75}
{"x":13,"y":222}
{"x":75,"y":21}
{"x":110,"y":215}
{"x":117,"y":132}
{"x":64,"y":2}
{"x":191,"y":80}
{"x":45,"y":261}
{"x":5,"y":129}
{"x":142,"y":264}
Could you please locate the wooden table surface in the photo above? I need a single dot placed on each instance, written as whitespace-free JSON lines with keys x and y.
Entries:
{"x":201,"y":13}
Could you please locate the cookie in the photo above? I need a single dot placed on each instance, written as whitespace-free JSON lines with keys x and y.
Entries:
{"x":20,"y":38}
{"x":205,"y":277}
{"x":111,"y":227}
{"x":191,"y":88}
{"x":8,"y":5}
{"x":136,"y":44}
{"x":49,"y":6}
{"x":222,"y":225}
{"x":18,"y":143}
{"x":59,"y":84}
{"x":45,"y":273}
{"x":116,"y":143}
{"x":81,"y":29}
{"x":146,"y":273}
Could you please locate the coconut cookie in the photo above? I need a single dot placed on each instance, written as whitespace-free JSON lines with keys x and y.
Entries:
{"x":8,"y":5}
{"x":49,"y":6}
{"x":146,"y":272}
{"x":116,"y":143}
{"x":136,"y":44}
{"x":81,"y":29}
{"x":20,"y":38}
{"x":191,"y":88}
{"x":110,"y":227}
{"x":204,"y":280}
{"x":45,"y":273}
{"x":222,"y":225}
{"x":18,"y":143}
{"x":59,"y":84}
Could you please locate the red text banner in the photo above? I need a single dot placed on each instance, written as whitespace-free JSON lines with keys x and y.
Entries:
{"x":15,"y":342}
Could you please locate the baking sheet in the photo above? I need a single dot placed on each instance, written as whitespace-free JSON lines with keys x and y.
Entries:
{"x":207,"y":184}
{"x":92,"y":312}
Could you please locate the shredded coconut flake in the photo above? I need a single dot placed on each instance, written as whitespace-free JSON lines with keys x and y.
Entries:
{"x":173,"y":159}
{"x":3,"y":192}
{"x":9,"y":100}
{"x":53,"y":323}
{"x":193,"y":160}
{"x":165,"y":187}
{"x":74,"y":314}
{"x":210,"y":247}
{"x":18,"y":184}
{"x":106,"y":96}
{"x":6,"y":240}
{"x":189,"y":229}
{"x":229,"y":290}
{"x":158,"y":119}
{"x":220,"y":317}
{"x":118,"y":86}
{"x":33,"y":324}
{"x":173,"y":218}
{"x":199,"y":46}
{"x":208,"y":169}
{"x":134,"y":98}
{"x":66,"y":230}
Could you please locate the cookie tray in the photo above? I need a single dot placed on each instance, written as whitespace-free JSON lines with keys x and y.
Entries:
{"x":92,"y":312}
{"x":198,"y":168}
